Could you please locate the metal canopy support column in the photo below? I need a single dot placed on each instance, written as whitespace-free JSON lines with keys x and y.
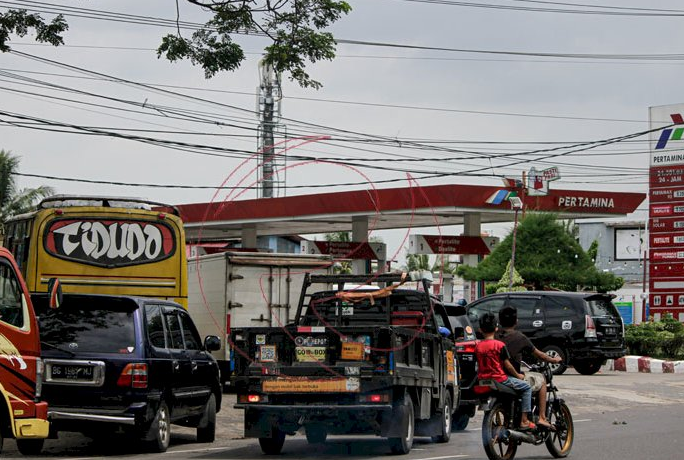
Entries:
{"x":471,"y":227}
{"x":359,"y":234}
{"x":249,"y":236}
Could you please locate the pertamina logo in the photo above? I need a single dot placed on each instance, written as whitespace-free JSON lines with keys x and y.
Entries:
{"x":671,"y":134}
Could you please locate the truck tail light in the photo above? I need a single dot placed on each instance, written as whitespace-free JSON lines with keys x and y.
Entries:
{"x":589,"y":327}
{"x":252,"y":398}
{"x":134,"y":375}
{"x":374,"y":398}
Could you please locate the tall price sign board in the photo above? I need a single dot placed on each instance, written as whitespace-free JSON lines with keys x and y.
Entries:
{"x":666,"y":211}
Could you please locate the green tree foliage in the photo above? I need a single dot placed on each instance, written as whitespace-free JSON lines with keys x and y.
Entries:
{"x":547,"y":257}
{"x":503,"y":284}
{"x":19,"y":22}
{"x":13,"y":200}
{"x":295,"y":28}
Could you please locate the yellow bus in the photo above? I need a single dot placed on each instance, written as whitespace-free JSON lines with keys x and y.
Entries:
{"x":101,"y":245}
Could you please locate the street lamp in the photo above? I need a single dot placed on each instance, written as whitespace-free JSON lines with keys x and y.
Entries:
{"x":516,"y":205}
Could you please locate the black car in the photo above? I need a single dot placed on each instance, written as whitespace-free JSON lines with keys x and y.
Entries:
{"x":137,"y":364}
{"x":465,"y":339}
{"x":583,"y":328}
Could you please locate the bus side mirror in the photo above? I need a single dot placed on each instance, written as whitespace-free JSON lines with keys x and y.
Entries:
{"x":55,"y":292}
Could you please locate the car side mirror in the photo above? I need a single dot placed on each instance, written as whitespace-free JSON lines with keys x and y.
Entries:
{"x":212,"y":343}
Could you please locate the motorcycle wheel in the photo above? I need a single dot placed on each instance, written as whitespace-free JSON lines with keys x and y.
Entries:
{"x":495,"y":422}
{"x":560,"y":441}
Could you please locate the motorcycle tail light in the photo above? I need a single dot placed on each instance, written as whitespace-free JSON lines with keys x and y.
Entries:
{"x":589,"y":327}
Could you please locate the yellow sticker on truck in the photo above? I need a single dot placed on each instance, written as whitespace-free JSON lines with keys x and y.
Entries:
{"x":304,"y":385}
{"x":451,"y":366}
{"x":308,"y":354}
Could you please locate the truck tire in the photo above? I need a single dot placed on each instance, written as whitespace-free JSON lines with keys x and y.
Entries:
{"x":206,"y":430}
{"x":30,"y":446}
{"x":445,"y":418}
{"x":158,"y":436}
{"x":403,"y":413}
{"x":553,"y":350}
{"x":273,"y":444}
{"x":316,"y":434}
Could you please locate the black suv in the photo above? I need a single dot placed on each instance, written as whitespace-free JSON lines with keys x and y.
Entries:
{"x":465,"y":340}
{"x":124,"y":362}
{"x":583,"y":328}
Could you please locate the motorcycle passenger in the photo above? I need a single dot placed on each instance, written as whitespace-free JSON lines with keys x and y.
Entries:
{"x":519,"y":347}
{"x":492,"y":358}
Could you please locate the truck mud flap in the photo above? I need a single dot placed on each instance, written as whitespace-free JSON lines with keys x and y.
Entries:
{"x":259,"y":423}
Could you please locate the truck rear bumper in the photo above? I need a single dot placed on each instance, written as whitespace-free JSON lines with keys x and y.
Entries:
{"x":356,"y":419}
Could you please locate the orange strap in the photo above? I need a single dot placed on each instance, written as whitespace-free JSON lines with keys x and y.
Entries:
{"x":358,"y":296}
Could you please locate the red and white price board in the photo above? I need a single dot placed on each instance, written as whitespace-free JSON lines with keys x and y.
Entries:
{"x":666,"y":211}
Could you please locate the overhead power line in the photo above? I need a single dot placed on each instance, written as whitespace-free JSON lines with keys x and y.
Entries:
{"x":575,"y":8}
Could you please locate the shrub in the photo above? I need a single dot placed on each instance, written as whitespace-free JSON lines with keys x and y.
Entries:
{"x":663,"y":339}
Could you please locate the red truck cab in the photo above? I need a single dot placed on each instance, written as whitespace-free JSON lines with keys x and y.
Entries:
{"x":22,"y":415}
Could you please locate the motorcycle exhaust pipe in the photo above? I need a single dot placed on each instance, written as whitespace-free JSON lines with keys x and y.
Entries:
{"x":519,"y":436}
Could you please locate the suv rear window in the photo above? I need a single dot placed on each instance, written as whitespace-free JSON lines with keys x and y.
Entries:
{"x":601,"y":307}
{"x":89,"y":324}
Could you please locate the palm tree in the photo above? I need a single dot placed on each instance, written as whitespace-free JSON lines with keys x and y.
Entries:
{"x":13,"y":200}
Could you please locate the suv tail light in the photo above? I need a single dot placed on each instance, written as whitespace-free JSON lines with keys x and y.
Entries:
{"x":39,"y":377}
{"x":134,"y":375}
{"x":466,"y":347}
{"x":589,"y":327}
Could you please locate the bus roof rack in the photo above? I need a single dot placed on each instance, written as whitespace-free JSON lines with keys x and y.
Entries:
{"x":64,"y":201}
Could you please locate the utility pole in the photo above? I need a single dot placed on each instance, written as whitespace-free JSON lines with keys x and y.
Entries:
{"x":517,"y":205}
{"x":271,"y":174}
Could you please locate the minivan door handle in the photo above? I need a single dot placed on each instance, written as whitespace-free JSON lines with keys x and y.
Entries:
{"x":176,"y":365}
{"x":193,"y":365}
{"x":538,"y":323}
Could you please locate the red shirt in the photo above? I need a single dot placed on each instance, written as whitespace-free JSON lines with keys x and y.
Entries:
{"x":491,"y":354}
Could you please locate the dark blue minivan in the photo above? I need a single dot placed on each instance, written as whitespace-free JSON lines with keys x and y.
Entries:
{"x":137,"y":364}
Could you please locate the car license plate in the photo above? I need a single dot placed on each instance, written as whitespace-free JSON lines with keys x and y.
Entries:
{"x":610,"y":330}
{"x":71,"y":372}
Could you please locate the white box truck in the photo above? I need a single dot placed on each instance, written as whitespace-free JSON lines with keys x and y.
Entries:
{"x":242,"y":289}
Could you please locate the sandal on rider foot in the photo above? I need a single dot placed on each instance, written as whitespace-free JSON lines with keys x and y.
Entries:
{"x":546,"y":425}
{"x":529,"y":427}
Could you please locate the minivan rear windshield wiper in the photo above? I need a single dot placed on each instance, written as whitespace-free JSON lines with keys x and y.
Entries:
{"x":49,"y":345}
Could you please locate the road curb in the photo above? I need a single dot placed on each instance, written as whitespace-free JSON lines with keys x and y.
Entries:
{"x":645,"y":364}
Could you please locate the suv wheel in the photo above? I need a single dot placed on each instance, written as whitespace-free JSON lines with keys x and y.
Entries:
{"x":460,"y":420}
{"x":159,"y":433}
{"x":553,"y":351}
{"x":206,"y":430}
{"x":588,"y":366}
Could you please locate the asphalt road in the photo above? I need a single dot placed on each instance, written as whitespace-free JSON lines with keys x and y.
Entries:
{"x":618,"y":416}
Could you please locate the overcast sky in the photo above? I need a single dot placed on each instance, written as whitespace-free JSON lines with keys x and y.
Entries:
{"x":487,"y":104}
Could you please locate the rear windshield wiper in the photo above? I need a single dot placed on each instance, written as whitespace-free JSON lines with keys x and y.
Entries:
{"x":49,"y":345}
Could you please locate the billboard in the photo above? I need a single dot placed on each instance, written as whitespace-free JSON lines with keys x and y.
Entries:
{"x":666,"y":210}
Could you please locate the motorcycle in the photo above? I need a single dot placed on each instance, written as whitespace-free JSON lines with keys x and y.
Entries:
{"x":503,"y":412}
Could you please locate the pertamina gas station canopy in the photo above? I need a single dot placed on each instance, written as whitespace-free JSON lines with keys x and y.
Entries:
{"x":391,"y":208}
